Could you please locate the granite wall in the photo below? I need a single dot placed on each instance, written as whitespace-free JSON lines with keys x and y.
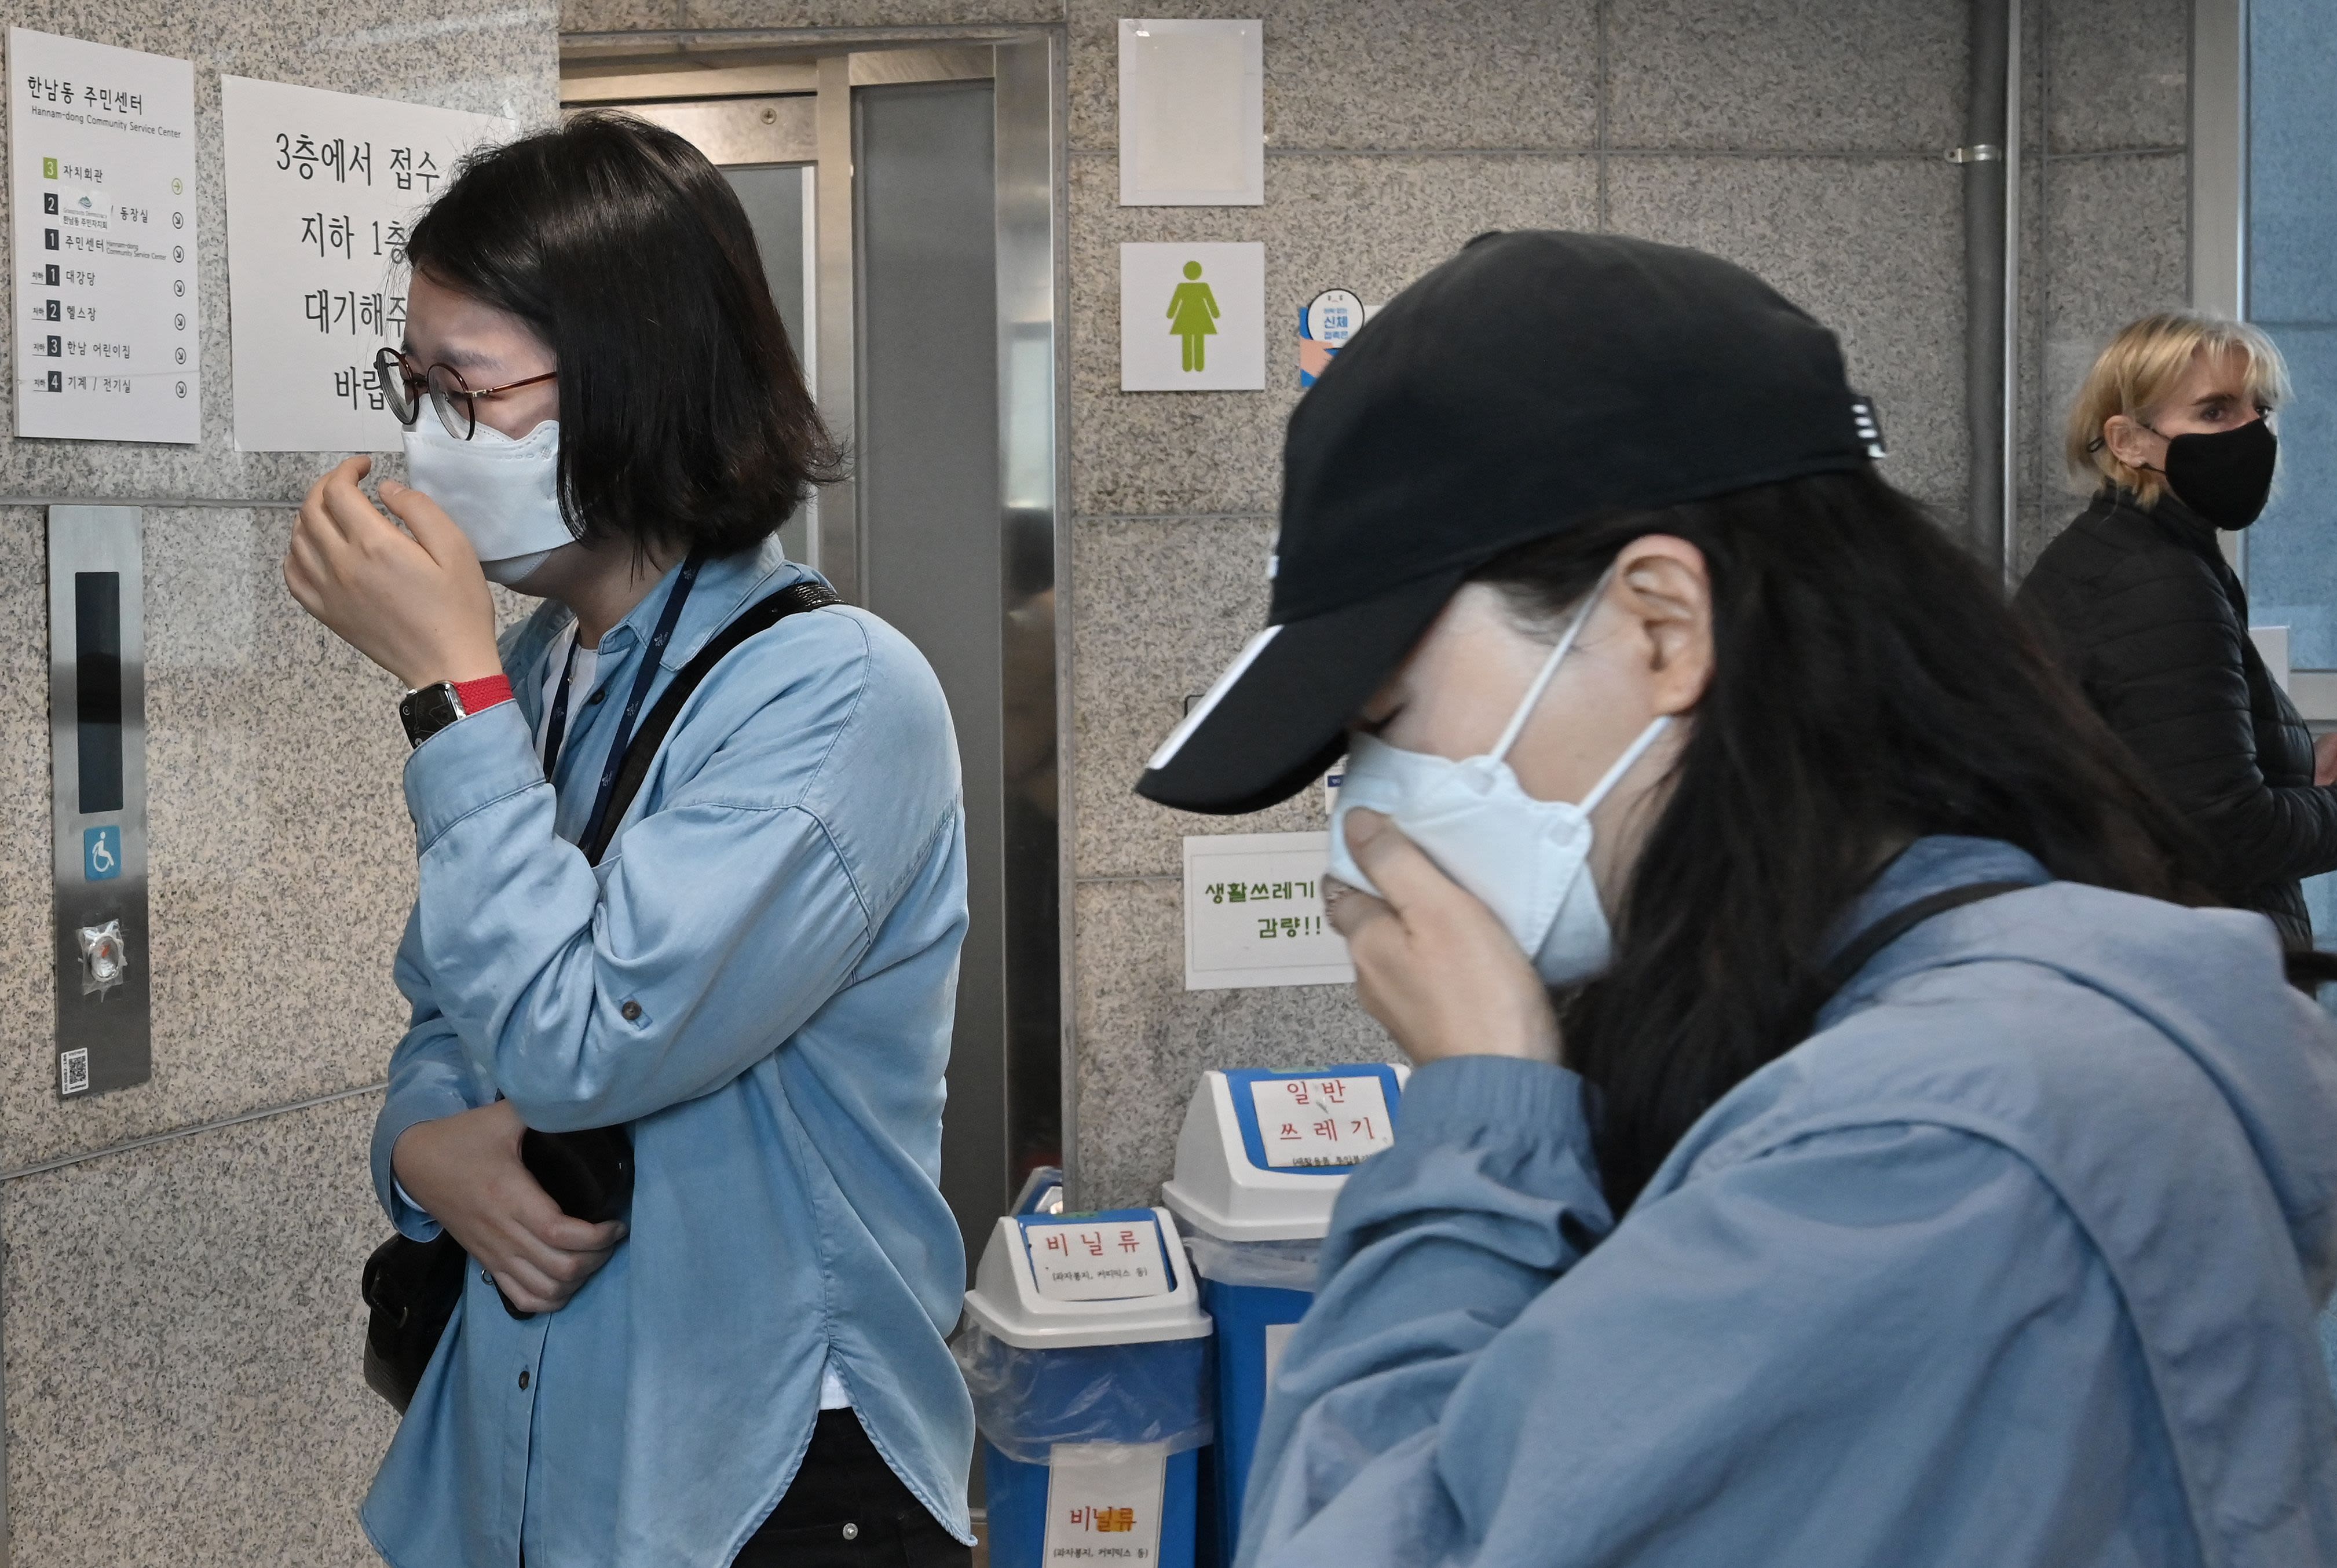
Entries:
{"x":2106,"y":214}
{"x":1803,"y":140}
{"x":179,"y":1261}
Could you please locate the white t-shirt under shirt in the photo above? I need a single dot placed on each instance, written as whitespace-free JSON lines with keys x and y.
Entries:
{"x":832,"y":1396}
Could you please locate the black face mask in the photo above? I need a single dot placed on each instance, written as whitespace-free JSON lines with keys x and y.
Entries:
{"x":2223,"y":477}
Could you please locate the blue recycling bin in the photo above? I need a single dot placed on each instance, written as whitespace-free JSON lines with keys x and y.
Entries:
{"x":1088,"y":1357}
{"x":1259,"y":1164}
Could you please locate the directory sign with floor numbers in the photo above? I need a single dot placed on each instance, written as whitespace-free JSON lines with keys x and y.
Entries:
{"x":321,"y":189}
{"x":102,"y":180}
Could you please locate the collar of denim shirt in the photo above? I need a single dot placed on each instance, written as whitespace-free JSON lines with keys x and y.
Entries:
{"x":725,"y":585}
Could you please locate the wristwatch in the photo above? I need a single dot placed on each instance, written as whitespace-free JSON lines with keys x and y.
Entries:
{"x":427,"y":710}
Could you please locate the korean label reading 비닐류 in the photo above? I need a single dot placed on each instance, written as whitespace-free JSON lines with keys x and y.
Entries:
{"x":1308,"y":1121}
{"x":1103,"y":1503}
{"x":1098,"y":1260}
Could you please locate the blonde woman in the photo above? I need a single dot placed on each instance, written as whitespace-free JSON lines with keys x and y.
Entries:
{"x":2173,"y":429}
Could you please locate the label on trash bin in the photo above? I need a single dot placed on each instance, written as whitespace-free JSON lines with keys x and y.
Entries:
{"x":1305,"y":1122}
{"x":1103,"y":1502}
{"x":1099,"y":1260}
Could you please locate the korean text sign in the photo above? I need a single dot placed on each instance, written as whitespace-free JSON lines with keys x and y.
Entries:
{"x":101,"y":166}
{"x":321,"y":189}
{"x":1254,"y":912}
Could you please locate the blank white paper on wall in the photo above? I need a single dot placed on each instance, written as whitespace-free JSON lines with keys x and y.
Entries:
{"x":1192,"y":114}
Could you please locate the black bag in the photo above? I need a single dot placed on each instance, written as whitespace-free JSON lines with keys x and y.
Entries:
{"x":412,"y":1288}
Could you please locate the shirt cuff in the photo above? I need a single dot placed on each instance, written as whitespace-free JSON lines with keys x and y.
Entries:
{"x":470,"y":764}
{"x":1478,"y":1100}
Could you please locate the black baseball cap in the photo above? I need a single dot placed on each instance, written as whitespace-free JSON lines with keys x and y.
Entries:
{"x":1535,"y":381}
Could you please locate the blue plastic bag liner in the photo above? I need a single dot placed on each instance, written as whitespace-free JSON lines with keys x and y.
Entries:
{"x":1025,"y":1401}
{"x":1263,"y":1153}
{"x":1048,"y":1361}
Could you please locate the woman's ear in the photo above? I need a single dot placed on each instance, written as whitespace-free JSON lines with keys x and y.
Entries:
{"x":2132,"y":442}
{"x":1662,"y":584}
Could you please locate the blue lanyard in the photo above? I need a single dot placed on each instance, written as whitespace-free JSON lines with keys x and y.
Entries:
{"x":556,"y":728}
{"x":642,"y":679}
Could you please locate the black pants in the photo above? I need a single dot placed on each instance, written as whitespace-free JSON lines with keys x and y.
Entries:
{"x":846,"y":1509}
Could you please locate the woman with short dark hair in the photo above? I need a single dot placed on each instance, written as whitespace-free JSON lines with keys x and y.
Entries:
{"x":1833,"y":1142}
{"x":749,"y":968}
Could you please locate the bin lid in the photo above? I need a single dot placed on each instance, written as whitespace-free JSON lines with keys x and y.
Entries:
{"x":1060,"y":1280}
{"x":1263,"y":1152}
{"x":1041,"y":1193}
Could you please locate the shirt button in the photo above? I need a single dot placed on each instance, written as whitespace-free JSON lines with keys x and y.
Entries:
{"x":523,"y":1380}
{"x":595,"y":701}
{"x":852,"y":1532}
{"x":485,"y":1278}
{"x":633,"y":1012}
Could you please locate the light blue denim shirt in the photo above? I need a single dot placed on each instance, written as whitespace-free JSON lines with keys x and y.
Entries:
{"x":758,"y":979}
{"x":2014,"y":1263}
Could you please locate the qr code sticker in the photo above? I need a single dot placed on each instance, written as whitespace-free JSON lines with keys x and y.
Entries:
{"x":73,"y":1071}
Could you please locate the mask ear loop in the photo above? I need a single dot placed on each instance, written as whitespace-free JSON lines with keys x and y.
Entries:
{"x":1549,"y":668}
{"x":1631,"y":754}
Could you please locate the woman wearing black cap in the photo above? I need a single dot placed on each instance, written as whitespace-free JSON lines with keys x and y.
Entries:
{"x":1833,"y":1141}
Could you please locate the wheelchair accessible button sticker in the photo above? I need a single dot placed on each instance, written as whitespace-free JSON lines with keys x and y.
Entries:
{"x":100,"y":854}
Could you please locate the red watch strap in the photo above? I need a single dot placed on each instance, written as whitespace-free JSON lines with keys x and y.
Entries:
{"x":478,"y":696}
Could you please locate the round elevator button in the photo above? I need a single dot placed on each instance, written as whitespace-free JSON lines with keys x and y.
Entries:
{"x":852,"y":1532}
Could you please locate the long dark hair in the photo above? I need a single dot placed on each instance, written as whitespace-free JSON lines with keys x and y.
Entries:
{"x":1870,"y":684}
{"x":683,"y":415}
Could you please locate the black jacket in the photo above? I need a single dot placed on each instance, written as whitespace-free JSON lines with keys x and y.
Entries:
{"x":2142,"y":609}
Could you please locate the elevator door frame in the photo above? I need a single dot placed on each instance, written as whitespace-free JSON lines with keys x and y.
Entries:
{"x":809,"y":122}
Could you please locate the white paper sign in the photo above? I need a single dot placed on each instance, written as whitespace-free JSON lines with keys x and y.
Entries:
{"x":1254,"y":912}
{"x":321,"y":188}
{"x":1192,"y":317}
{"x":1321,"y":1120}
{"x":101,"y":173}
{"x":1192,"y":114}
{"x":1103,"y":1502}
{"x":1097,"y":1260}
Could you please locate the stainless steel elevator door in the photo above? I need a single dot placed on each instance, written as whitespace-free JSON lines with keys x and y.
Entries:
{"x":931,"y":549}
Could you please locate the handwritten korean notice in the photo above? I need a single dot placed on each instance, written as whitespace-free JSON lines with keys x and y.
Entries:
{"x":1308,"y":1121}
{"x":102,"y":179}
{"x":1103,"y":1503}
{"x":1097,"y":1259}
{"x":321,"y":189}
{"x":1254,"y":912}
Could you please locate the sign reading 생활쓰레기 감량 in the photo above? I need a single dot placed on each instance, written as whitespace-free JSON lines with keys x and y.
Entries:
{"x":102,"y":180}
{"x":1253,"y":912}
{"x":321,"y":189}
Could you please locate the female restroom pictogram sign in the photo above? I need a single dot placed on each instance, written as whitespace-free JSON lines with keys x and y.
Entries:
{"x":1192,"y":317}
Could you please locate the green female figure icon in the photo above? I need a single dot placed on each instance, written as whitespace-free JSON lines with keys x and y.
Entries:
{"x":1193,"y":316}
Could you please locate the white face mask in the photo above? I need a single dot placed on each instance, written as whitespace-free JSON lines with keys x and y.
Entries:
{"x":505,"y":494}
{"x":1528,"y":861}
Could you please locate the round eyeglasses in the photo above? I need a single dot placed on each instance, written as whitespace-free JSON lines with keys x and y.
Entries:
{"x":456,"y":399}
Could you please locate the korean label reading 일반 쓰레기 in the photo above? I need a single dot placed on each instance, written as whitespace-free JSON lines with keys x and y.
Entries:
{"x":1315,"y":1121}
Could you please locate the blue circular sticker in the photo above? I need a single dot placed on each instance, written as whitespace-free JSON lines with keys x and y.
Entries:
{"x":1331,"y":317}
